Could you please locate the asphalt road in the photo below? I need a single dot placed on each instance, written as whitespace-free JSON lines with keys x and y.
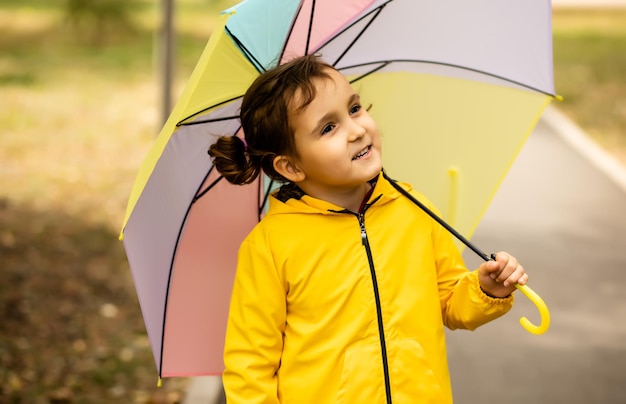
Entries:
{"x":564,"y":218}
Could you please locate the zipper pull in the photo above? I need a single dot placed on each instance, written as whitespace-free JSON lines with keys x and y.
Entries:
{"x":362,"y":225}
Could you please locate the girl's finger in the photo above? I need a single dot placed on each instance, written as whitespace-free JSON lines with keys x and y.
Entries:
{"x":508,"y":269}
{"x":515,"y":276}
{"x":523,"y":279}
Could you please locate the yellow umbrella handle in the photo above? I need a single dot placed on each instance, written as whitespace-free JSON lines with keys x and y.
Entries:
{"x":543,"y":311}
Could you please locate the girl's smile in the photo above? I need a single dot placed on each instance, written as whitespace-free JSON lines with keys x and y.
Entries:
{"x":363,"y":153}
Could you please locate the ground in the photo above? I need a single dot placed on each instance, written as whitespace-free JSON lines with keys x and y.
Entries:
{"x":72,"y":331}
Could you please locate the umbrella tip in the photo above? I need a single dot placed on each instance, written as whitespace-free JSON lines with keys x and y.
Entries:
{"x":121,"y":236}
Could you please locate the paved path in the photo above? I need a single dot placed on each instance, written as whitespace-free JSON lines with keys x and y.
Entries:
{"x":563,"y":214}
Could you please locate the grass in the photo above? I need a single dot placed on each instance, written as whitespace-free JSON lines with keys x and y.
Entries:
{"x":84,"y":109}
{"x":79,"y":113}
{"x":590,"y":73}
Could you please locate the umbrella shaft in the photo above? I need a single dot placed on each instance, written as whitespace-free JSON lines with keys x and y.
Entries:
{"x":439,"y":220}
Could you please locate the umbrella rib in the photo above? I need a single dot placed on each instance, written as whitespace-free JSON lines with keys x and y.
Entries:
{"x":224,"y":118}
{"x":308,"y":36}
{"x":255,"y":62}
{"x":258,"y":198}
{"x":385,"y":63}
{"x":382,"y":66}
{"x":293,"y":24}
{"x":377,"y":11}
{"x":265,"y":197}
{"x":183,"y":123}
{"x":205,"y":191}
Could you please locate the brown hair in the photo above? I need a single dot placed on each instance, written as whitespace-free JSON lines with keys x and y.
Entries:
{"x":265,"y":120}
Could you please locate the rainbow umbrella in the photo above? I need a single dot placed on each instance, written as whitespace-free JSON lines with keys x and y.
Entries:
{"x":456,"y":88}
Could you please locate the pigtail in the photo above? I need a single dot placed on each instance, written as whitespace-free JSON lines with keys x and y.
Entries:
{"x":231,"y":159}
{"x":264,"y":117}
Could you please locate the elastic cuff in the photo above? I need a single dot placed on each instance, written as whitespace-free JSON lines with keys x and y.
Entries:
{"x":487,"y":298}
{"x":492,"y":296}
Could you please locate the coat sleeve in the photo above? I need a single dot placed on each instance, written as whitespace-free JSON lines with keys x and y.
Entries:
{"x":463,"y":303}
{"x":254,"y":335}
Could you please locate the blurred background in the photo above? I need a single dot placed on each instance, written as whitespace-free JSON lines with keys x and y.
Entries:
{"x":81,"y":100}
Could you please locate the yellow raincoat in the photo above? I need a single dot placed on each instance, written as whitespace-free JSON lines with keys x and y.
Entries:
{"x":330,"y":306}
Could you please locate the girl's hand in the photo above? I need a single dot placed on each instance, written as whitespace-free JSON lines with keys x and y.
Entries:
{"x":498,"y":278}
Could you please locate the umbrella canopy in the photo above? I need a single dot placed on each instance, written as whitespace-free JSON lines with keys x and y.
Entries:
{"x":455,"y":86}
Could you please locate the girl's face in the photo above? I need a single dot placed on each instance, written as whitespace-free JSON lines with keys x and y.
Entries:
{"x":336,"y":139}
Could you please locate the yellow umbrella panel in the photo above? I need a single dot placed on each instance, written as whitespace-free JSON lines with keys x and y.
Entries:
{"x":453,"y":139}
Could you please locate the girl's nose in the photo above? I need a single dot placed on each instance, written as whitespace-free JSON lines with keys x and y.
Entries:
{"x":356,"y":130}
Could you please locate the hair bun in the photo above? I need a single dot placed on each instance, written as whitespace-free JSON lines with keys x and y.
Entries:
{"x":230,"y":158}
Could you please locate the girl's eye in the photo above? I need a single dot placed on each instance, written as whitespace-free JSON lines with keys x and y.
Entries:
{"x":355,"y":108}
{"x":327,"y":128}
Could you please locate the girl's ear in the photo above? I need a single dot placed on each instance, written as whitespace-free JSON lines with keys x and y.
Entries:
{"x":288,"y":169}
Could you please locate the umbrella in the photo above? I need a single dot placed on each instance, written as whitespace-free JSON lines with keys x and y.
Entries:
{"x":456,"y":88}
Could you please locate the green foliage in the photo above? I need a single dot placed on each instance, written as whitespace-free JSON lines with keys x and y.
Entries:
{"x":98,"y":19}
{"x":590,"y":72}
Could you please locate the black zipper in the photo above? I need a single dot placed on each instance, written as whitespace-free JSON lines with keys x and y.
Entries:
{"x":379,"y":311}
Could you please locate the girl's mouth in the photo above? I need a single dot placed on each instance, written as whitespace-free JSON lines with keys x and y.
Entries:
{"x":362,"y":153}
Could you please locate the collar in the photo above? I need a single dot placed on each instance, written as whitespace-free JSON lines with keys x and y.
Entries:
{"x":291,"y":190}
{"x":295,"y":199}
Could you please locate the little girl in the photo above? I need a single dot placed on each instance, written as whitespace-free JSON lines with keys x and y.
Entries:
{"x":344,"y":287}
